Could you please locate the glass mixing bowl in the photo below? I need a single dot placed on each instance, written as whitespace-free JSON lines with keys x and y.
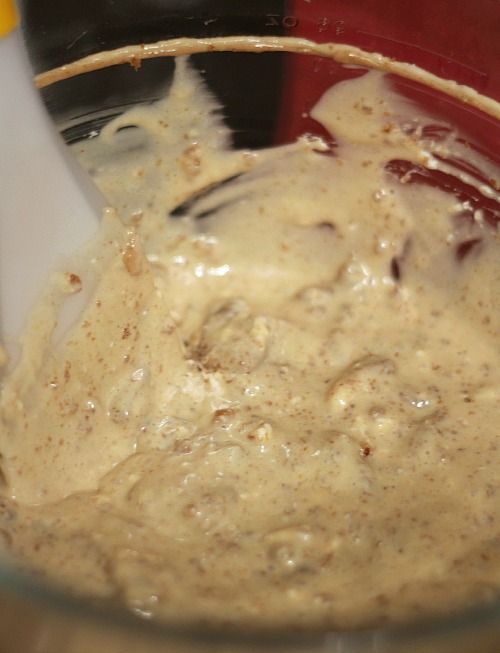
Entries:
{"x":265,"y":98}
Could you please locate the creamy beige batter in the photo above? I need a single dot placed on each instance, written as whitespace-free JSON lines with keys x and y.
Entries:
{"x":283,"y":412}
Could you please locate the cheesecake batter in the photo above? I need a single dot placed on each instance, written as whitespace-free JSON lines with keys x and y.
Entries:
{"x":280,"y":402}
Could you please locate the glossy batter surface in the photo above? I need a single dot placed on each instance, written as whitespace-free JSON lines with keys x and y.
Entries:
{"x":280,"y":404}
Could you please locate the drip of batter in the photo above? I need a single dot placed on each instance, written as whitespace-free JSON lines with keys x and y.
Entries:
{"x":280,"y":404}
